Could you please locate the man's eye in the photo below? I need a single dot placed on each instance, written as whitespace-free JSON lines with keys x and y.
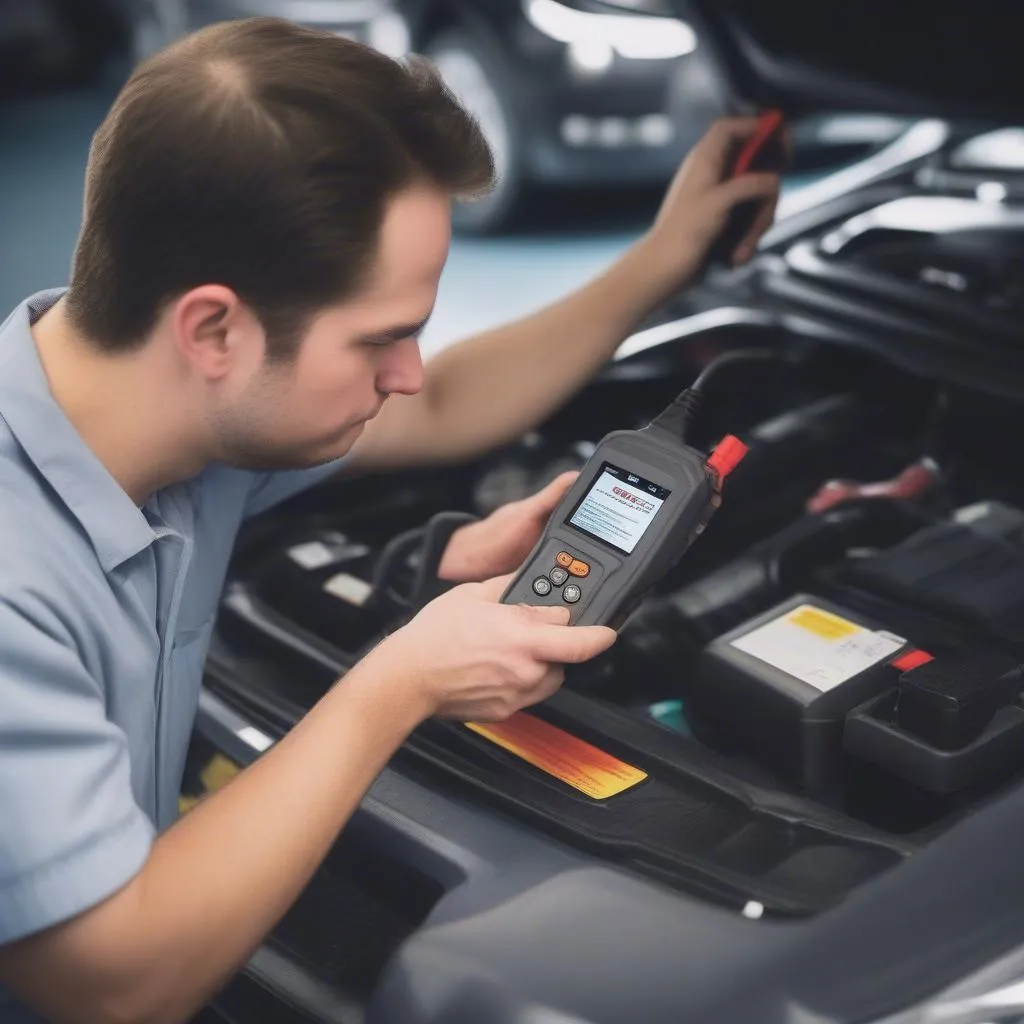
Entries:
{"x":389,"y":342}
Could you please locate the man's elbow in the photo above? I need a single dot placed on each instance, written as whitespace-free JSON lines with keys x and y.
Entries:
{"x":135,"y":1003}
{"x":84,"y":973}
{"x":161,"y":990}
{"x":142,"y":1007}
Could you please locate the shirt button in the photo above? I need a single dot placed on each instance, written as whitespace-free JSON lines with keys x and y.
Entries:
{"x":542,"y":586}
{"x":571,"y":594}
{"x":558,"y":576}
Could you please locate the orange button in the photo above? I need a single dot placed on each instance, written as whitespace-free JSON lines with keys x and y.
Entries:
{"x":578,"y":568}
{"x":564,"y":559}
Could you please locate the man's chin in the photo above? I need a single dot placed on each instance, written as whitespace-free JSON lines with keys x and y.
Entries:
{"x":336,"y":449}
{"x":286,"y":461}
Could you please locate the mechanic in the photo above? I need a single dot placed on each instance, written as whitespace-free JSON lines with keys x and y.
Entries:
{"x":266,"y":220}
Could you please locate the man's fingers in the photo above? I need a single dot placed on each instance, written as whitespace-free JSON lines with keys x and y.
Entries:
{"x":571,"y":645}
{"x":548,"y":497}
{"x":493,"y":588}
{"x":721,"y":143}
{"x":727,"y":130}
{"x":748,"y":246}
{"x":549,"y":685}
{"x":750,"y":186}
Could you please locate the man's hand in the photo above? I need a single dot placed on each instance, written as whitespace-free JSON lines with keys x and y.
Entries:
{"x":467,"y":657}
{"x":696,"y":207}
{"x":500,"y":543}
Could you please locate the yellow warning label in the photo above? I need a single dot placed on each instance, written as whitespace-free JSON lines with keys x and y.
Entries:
{"x":566,"y":757}
{"x":822,"y":623}
{"x":818,"y":647}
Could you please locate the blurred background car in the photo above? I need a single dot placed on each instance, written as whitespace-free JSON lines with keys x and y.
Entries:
{"x":570,"y":94}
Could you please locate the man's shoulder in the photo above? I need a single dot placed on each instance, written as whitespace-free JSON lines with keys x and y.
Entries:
{"x":38,"y":538}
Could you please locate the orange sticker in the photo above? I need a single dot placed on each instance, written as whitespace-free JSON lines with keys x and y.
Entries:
{"x":562,"y":755}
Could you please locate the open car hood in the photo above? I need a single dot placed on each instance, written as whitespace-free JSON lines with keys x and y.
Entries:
{"x":954,"y":60}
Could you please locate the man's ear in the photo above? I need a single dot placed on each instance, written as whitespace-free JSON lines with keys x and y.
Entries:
{"x":214,"y":330}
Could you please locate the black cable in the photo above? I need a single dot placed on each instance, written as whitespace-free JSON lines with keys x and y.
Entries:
{"x":428,"y":543}
{"x":675,"y":419}
{"x":737,"y":355}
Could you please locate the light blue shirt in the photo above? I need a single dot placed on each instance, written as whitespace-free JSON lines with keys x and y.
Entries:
{"x":106,"y":612}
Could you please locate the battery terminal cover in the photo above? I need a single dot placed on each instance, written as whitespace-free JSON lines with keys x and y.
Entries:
{"x":949,"y":701}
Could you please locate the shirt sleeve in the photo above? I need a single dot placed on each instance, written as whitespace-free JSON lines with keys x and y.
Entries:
{"x":270,"y":489}
{"x":72,"y":832}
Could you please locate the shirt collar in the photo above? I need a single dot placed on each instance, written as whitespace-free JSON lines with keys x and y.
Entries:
{"x":116,"y":527}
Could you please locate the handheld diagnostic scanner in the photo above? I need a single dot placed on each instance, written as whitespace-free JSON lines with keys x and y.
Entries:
{"x":640,"y":501}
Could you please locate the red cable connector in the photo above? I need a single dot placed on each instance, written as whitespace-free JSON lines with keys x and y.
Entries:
{"x":913,"y":482}
{"x":727,"y":456}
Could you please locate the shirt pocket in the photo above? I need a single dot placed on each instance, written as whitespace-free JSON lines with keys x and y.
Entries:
{"x":178,"y":705}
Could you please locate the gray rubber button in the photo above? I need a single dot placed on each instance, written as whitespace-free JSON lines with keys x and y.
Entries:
{"x":571,"y":594}
{"x":542,"y":586}
{"x":558,"y":576}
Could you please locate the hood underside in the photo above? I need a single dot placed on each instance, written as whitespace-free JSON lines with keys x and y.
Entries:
{"x":949,"y":60}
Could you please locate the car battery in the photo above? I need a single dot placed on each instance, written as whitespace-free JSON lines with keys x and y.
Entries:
{"x":779,"y":687}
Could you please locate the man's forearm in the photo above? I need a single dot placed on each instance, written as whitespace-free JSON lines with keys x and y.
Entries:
{"x":217,"y":882}
{"x":487,"y":390}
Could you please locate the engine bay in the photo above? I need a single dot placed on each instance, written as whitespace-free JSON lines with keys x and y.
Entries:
{"x":830,"y":679}
{"x":827,"y":681}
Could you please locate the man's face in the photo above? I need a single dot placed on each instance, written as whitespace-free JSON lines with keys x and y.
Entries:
{"x":310,"y":409}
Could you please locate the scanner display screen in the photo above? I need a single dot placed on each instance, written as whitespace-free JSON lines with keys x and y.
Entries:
{"x":618,"y":508}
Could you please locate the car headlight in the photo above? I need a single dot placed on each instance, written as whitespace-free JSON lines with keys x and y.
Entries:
{"x":635,"y":36}
{"x":993,"y":995}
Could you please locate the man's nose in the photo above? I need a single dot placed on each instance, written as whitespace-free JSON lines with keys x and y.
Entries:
{"x":402,"y":369}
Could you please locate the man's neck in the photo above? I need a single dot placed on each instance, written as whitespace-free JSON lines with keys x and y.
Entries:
{"x":122,"y":406}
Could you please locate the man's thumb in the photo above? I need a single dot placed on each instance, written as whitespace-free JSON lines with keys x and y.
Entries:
{"x":556,"y":615}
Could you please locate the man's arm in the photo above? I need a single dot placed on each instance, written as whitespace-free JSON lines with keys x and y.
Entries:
{"x":217,"y":881}
{"x":489,"y":389}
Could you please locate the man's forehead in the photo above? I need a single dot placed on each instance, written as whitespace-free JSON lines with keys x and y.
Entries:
{"x":414,"y":241}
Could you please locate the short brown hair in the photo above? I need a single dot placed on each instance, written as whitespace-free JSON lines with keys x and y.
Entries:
{"x":259,"y":155}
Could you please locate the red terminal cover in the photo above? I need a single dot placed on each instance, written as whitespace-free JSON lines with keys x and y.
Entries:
{"x":727,"y":456}
{"x":769,"y":122}
{"x":911,"y":659}
{"x":914,"y":481}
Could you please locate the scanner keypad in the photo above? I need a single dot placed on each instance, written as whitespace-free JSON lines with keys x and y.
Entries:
{"x":567,"y":565}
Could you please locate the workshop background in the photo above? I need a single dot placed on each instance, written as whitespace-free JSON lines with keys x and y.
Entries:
{"x":588,"y":114}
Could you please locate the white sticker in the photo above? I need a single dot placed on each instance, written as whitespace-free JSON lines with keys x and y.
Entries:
{"x":252,"y":737}
{"x":314,"y":555}
{"x":818,"y":647}
{"x":349,"y":588}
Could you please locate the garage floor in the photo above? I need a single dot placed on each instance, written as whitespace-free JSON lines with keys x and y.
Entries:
{"x":44,"y":142}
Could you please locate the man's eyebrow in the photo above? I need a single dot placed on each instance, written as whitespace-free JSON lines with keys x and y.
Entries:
{"x":396,"y":333}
